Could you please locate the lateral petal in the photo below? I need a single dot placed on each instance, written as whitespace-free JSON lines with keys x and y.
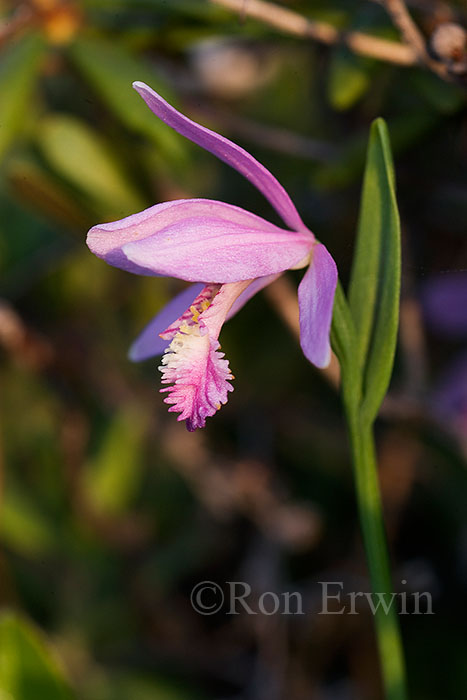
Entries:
{"x":226,"y":150}
{"x":316,"y":301}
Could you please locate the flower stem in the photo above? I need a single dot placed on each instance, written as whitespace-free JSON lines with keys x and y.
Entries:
{"x":374,"y":537}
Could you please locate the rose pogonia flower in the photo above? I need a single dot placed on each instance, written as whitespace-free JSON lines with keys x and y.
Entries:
{"x":231,"y":254}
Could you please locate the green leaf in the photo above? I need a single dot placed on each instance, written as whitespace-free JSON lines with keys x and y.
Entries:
{"x":343,"y":343}
{"x":23,"y":527}
{"x":343,"y":330}
{"x":35,"y":186}
{"x":112,"y":69}
{"x":113,"y":477}
{"x":80,"y":155}
{"x":28,"y":668}
{"x":349,"y":79}
{"x":375,"y":281}
{"x":19,"y":67}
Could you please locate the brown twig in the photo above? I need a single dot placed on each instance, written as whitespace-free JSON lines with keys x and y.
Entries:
{"x":411,"y":34}
{"x":23,"y":344}
{"x":398,"y":12}
{"x":293,"y":23}
{"x":11,"y":27}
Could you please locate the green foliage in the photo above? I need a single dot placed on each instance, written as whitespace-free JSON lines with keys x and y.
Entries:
{"x":19,"y":67}
{"x":109,"y":512}
{"x":365,"y":330}
{"x":22,"y":527}
{"x":81,"y":156}
{"x":349,"y":79}
{"x":112,"y":69}
{"x":375,"y":280}
{"x":112,"y":477}
{"x":28,"y":669}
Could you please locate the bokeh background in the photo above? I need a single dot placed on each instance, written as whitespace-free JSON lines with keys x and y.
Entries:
{"x":110,"y":511}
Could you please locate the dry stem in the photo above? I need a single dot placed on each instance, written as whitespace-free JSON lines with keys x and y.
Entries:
{"x":293,"y":23}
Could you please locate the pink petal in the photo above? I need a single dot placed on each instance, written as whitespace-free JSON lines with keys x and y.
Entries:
{"x":106,"y":240}
{"x":316,"y":301}
{"x":227,"y":151}
{"x":252,"y":289}
{"x":198,"y":239}
{"x":149,"y":343}
{"x":193,"y":364}
{"x":218,"y":250}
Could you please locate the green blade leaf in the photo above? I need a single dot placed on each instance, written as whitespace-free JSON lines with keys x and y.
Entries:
{"x":343,"y":343}
{"x":27,"y":667}
{"x":349,"y":78}
{"x":343,"y":329}
{"x":113,"y":477}
{"x":19,"y":67}
{"x":112,"y":69}
{"x":375,"y":281}
{"x":81,"y":156}
{"x":23,"y":527}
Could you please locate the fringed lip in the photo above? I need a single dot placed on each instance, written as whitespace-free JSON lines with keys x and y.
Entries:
{"x":193,"y":365}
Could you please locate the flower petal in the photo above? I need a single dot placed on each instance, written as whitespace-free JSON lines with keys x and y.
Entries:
{"x":193,"y":364}
{"x":256,"y":286}
{"x":107,"y":240}
{"x":218,"y":250}
{"x":149,"y":343}
{"x":316,"y":300}
{"x":227,"y":151}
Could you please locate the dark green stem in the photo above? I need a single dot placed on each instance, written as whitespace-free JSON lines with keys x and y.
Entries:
{"x":374,"y":537}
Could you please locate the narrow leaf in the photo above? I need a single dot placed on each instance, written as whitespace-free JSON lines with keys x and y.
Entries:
{"x":376,"y":216}
{"x":23,"y":527}
{"x":349,"y":79}
{"x":113,"y":476}
{"x":111,"y":69}
{"x":80,"y":155}
{"x":375,"y":282}
{"x":343,"y":329}
{"x":343,"y":341}
{"x":28,"y":668}
{"x":19,"y":66}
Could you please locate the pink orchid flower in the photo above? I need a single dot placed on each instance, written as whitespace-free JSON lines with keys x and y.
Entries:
{"x":231,"y":254}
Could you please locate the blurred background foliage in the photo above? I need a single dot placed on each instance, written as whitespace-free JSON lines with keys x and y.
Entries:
{"x":110,"y":512}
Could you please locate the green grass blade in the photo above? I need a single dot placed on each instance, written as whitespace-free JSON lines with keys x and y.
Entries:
{"x":375,"y":280}
{"x":28,"y":668}
{"x":19,"y":67}
{"x":111,"y":69}
{"x":380,"y":359}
